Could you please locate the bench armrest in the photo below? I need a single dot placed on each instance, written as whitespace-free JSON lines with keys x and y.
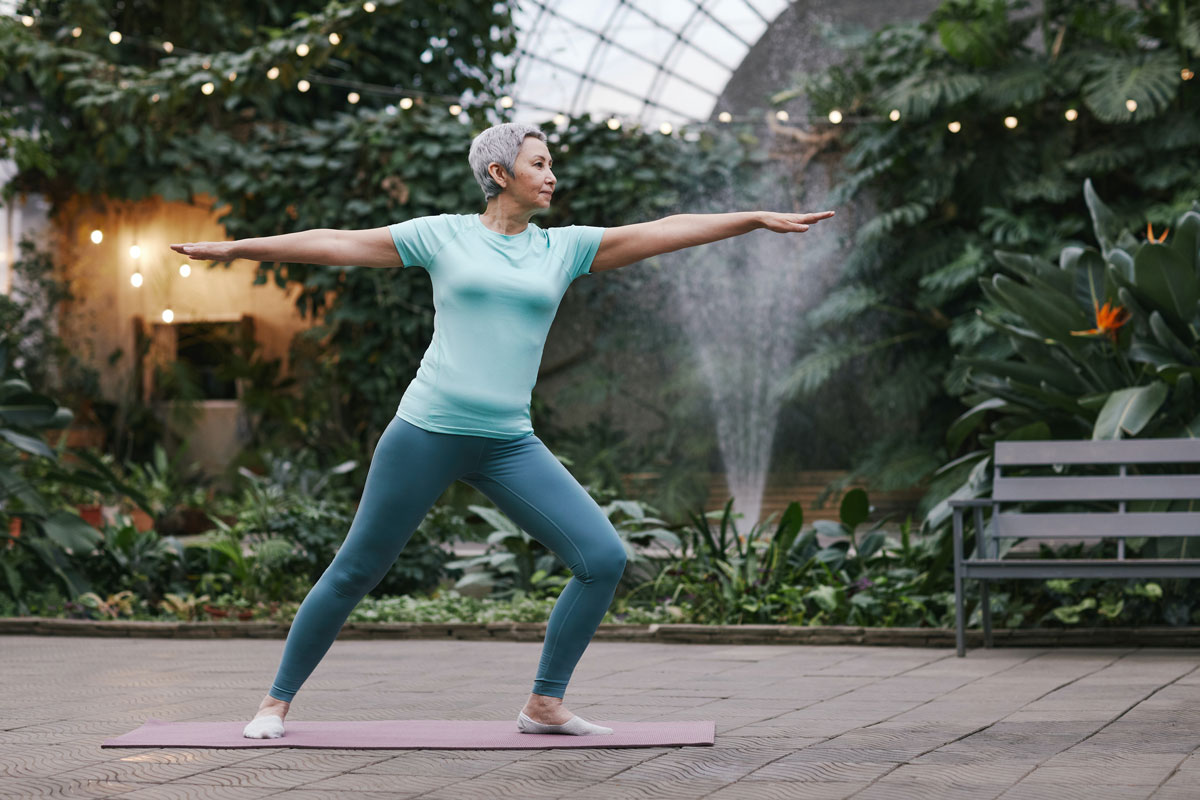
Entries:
{"x":971,"y":502}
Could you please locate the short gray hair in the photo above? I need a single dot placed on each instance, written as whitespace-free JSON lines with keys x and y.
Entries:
{"x":499,"y":143}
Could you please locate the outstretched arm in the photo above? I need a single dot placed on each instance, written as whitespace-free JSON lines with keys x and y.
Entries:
{"x":626,"y":244}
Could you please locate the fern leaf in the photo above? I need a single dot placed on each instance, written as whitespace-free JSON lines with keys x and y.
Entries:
{"x":1022,"y":84}
{"x":844,"y":303}
{"x":920,"y":94}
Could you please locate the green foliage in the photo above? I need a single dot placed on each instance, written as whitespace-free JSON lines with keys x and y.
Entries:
{"x":946,"y":202}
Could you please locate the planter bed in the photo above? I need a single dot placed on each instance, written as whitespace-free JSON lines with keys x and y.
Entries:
{"x":661,"y":633}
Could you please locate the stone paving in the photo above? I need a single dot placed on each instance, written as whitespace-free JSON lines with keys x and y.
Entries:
{"x":792,"y":722}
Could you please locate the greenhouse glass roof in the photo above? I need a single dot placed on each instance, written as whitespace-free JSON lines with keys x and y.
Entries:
{"x":650,"y":60}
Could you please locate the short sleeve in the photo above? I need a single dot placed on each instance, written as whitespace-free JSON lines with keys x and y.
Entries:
{"x":577,"y":246}
{"x":419,"y":239}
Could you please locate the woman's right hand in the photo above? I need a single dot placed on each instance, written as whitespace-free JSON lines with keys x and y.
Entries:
{"x":209,"y":251}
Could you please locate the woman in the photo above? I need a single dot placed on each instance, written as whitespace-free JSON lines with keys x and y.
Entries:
{"x":497,"y":281}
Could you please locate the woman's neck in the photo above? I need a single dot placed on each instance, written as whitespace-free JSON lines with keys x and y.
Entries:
{"x":504,"y":217}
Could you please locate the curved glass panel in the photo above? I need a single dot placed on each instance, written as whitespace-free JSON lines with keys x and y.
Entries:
{"x":652,"y":61}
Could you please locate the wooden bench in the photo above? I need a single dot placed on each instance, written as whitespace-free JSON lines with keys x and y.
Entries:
{"x":1086,"y":489}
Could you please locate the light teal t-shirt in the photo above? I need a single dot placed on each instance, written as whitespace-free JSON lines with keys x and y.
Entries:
{"x":494,"y":297}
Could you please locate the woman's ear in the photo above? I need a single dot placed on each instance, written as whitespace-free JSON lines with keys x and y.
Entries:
{"x":499,"y":174}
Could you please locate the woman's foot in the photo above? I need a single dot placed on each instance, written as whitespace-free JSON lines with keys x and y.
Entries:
{"x":544,"y":714}
{"x":268,"y":722}
{"x":546,"y":710}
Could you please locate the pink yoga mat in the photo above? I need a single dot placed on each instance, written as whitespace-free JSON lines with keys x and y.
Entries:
{"x":414,"y":734}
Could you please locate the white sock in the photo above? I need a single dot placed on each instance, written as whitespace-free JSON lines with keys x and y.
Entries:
{"x":576,"y":726}
{"x":268,"y":726}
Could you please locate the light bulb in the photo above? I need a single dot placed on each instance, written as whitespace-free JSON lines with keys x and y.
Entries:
{"x":406,"y":103}
{"x":1131,"y":104}
{"x":115,"y":37}
{"x":1010,"y":122}
{"x":208,"y":88}
{"x":136,"y":279}
{"x":135,"y":252}
{"x":27,"y":21}
{"x":1186,"y":74}
{"x":1071,"y":115}
{"x":506,"y":102}
{"x":334,"y":38}
{"x":303,"y":85}
{"x":781,"y":115}
{"x":560,"y":119}
{"x":725,"y":116}
{"x":154,"y":98}
{"x":353,"y":97}
{"x":97,"y":236}
{"x":168,"y":315}
{"x":232,"y":76}
{"x":273,"y":73}
{"x":167,"y":47}
{"x":77,"y":31}
{"x":613,"y":123}
{"x":185,"y":270}
{"x":955,"y":127}
{"x":368,"y":7}
{"x":665,"y":129}
{"x":302,"y":50}
{"x":455,"y":110}
{"x":894,"y":115}
{"x":835,"y":116}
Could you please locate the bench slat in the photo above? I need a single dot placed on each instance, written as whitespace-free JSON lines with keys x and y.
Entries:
{"x":1081,"y":568}
{"x":1097,"y":487}
{"x":1101,"y":525}
{"x":1100,"y":451}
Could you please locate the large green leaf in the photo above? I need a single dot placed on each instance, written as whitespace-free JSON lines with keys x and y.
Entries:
{"x":1104,"y":222}
{"x":1149,"y":79}
{"x":1128,"y":410}
{"x":70,"y":532}
{"x":1167,"y":279}
{"x":1091,"y":287}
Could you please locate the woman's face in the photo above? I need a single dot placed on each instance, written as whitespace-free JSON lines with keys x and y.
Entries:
{"x":532,"y":182}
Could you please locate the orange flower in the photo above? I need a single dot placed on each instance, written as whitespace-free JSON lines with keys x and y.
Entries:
{"x":1108,"y":320}
{"x":1150,"y":235}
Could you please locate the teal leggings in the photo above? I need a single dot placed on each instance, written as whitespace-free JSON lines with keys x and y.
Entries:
{"x":410,"y":470}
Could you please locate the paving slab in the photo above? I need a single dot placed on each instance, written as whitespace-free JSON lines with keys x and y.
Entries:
{"x":792,"y":721}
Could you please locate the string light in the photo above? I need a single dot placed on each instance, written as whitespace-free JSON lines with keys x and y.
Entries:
{"x":665,"y":129}
{"x":135,"y":252}
{"x":835,"y":116}
{"x":185,"y":270}
{"x":136,"y":279}
{"x":97,"y":236}
{"x":1186,"y":74}
{"x":168,"y":315}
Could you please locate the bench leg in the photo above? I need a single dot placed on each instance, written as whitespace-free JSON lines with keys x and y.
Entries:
{"x":987,"y":613}
{"x":959,"y":637}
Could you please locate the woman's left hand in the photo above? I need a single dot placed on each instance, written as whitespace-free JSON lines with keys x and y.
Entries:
{"x":791,"y":223}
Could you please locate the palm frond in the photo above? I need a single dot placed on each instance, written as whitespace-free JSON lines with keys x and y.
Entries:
{"x":843,"y":304}
{"x":1149,"y":79}
{"x":942,"y":284}
{"x":1022,"y":84}
{"x":920,"y":94}
{"x":908,"y":214}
